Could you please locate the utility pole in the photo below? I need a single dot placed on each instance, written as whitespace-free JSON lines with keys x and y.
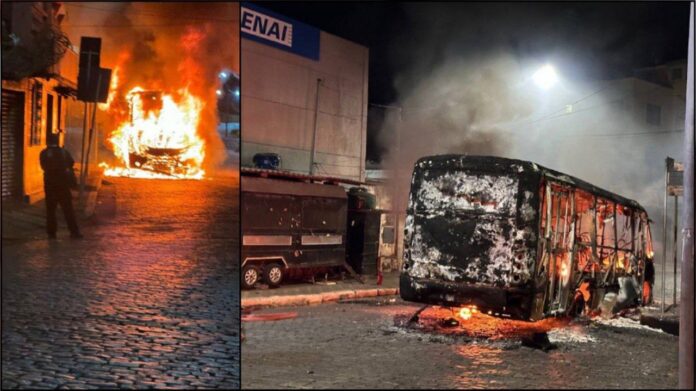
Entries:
{"x":664,"y":235}
{"x":397,"y":202}
{"x":85,"y":171}
{"x":686,"y":309}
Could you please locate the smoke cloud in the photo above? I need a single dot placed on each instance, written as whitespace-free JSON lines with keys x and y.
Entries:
{"x":470,"y":91}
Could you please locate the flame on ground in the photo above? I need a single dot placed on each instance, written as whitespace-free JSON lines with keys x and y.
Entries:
{"x":473,"y":323}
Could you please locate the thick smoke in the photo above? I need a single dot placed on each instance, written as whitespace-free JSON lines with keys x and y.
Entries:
{"x":167,"y":46}
{"x":469,"y":90}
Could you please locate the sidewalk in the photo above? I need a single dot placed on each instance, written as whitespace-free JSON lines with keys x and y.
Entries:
{"x":295,"y":294}
{"x":668,"y":321}
{"x":28,"y":221}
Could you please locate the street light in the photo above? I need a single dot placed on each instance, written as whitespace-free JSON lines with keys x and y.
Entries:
{"x":545,"y":77}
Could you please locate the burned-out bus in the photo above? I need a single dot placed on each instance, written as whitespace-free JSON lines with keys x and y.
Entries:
{"x":515,"y":239}
{"x":290,"y":225}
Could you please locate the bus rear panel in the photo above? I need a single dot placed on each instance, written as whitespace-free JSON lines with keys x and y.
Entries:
{"x":470,"y":235}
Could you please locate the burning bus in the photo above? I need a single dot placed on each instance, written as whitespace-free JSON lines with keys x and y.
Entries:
{"x":514,"y":239}
{"x":160,"y":137}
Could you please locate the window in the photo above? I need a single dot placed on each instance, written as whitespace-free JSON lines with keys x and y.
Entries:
{"x":617,"y":105}
{"x":676,"y":73}
{"x":49,"y":116}
{"x":458,"y":190}
{"x":6,"y":19}
{"x":624,"y":218}
{"x":653,"y":114}
{"x":36,"y":107}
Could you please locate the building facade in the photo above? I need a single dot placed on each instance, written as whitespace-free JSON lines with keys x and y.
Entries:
{"x":39,"y":69}
{"x":302,"y":90}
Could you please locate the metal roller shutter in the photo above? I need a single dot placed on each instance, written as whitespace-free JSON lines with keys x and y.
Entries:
{"x":12,"y":126}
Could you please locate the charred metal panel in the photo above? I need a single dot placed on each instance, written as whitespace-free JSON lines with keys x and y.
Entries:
{"x":472,"y":223}
{"x":302,"y":223}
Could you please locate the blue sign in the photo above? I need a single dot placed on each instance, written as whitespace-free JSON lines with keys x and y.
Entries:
{"x":281,"y":32}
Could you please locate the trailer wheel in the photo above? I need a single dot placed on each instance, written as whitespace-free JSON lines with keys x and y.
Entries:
{"x":250,"y":276}
{"x":273,"y":274}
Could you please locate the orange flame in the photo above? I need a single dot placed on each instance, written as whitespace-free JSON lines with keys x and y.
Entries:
{"x":113,"y":85}
{"x":156,"y":132}
{"x":160,"y":140}
{"x":466,"y":312}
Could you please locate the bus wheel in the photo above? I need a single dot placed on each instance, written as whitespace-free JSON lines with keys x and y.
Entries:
{"x":250,"y":276}
{"x":273,"y":274}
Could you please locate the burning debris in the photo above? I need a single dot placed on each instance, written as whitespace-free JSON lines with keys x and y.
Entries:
{"x":469,"y":322}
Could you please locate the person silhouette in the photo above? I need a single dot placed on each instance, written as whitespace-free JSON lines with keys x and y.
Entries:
{"x":57,"y":165}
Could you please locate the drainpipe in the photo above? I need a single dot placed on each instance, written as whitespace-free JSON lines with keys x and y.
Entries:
{"x":314,"y":134}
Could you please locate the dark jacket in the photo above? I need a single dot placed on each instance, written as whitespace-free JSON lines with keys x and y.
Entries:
{"x":56,"y":163}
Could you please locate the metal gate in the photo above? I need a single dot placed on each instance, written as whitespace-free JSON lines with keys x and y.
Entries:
{"x":12,"y":130}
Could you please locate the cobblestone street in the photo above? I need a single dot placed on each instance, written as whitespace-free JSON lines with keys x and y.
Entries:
{"x":149,"y":298}
{"x":364,"y":344}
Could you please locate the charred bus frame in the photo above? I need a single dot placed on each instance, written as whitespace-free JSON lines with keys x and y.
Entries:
{"x":518,"y":240}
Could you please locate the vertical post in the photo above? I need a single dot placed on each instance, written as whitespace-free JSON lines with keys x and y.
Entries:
{"x":314,"y":133}
{"x":397,"y":195}
{"x":674,"y":252}
{"x":84,"y":139}
{"x":594,"y":235}
{"x":395,"y":189}
{"x":91,"y":136}
{"x":83,"y":160}
{"x":686,"y":309}
{"x":616,"y":244}
{"x":664,"y":236}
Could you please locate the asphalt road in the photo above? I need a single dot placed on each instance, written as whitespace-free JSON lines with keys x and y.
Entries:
{"x":150,"y":297}
{"x":367,"y":344}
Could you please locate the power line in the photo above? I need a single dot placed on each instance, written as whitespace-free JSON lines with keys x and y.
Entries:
{"x":628,"y":134}
{"x":554,"y":116}
{"x":619,"y":134}
{"x":563,"y":108}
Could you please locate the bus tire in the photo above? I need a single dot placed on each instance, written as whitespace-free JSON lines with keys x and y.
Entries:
{"x":273,"y":274}
{"x":250,"y":276}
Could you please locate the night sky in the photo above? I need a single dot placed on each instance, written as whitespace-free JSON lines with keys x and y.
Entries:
{"x":585,"y":40}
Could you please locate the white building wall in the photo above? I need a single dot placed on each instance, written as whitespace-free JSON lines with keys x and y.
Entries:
{"x":278,"y":106}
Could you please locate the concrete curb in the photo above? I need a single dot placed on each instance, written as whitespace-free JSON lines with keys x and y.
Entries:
{"x":316,"y":298}
{"x":665,"y":322}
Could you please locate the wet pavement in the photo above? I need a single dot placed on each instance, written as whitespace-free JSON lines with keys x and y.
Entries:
{"x":149,"y":298}
{"x":366,"y":344}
